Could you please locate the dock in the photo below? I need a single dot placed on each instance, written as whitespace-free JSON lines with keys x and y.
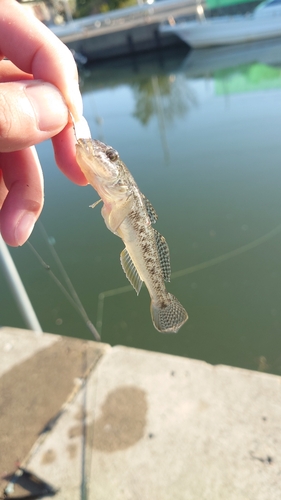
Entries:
{"x":85,"y":420}
{"x":133,"y":30}
{"x":124,"y":31}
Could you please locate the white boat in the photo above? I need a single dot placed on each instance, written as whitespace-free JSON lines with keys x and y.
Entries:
{"x":211,"y":60}
{"x":263,"y":23}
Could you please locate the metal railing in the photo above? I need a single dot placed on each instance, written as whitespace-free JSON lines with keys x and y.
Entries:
{"x":17,"y":288}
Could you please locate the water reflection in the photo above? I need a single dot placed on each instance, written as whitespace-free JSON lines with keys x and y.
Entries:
{"x":167,"y":96}
{"x":206,"y":62}
{"x":214,"y":118}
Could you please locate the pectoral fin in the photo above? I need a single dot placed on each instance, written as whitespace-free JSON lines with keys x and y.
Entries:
{"x":130,"y":270}
{"x":115,"y":215}
{"x":95,"y":204}
{"x":164,"y":255}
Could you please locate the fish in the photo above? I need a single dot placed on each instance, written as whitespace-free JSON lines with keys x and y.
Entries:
{"x":130,"y":215}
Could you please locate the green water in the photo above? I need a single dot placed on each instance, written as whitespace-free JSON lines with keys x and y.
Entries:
{"x":207,"y":153}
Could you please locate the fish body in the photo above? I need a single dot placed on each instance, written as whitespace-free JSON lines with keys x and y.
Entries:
{"x":128,"y":214}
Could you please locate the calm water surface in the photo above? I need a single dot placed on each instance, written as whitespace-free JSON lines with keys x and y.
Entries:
{"x":201,"y":135}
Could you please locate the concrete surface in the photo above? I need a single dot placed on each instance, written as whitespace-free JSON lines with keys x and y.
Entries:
{"x":39,"y":373}
{"x":149,"y":426}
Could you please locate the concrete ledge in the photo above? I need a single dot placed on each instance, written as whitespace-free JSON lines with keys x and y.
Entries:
{"x":151,"y":426}
{"x":38,"y":374}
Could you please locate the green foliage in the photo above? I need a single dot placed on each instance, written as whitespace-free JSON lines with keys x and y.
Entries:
{"x":88,"y":7}
{"x":214,"y":4}
{"x":85,"y":7}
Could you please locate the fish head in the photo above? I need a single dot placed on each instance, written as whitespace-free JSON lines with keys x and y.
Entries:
{"x":97,"y":160}
{"x":104,"y":170}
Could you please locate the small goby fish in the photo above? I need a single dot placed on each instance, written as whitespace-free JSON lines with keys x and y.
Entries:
{"x":128,"y":214}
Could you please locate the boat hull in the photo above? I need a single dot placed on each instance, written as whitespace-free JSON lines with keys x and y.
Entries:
{"x":225,"y":30}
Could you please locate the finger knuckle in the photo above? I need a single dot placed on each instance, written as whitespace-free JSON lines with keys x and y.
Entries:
{"x":6,"y":115}
{"x":6,"y":120}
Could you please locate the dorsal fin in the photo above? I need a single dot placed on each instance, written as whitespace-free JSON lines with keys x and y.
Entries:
{"x":164,"y":255}
{"x":150,"y":210}
{"x":130,"y":270}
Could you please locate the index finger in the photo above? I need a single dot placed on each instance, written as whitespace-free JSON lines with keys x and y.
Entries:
{"x":33,"y":48}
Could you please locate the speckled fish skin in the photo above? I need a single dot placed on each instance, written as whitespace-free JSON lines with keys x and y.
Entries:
{"x":128,"y":214}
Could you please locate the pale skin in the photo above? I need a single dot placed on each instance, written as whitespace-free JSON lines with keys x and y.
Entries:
{"x":38,"y":88}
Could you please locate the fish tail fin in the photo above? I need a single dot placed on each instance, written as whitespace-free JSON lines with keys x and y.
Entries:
{"x":170,"y":317}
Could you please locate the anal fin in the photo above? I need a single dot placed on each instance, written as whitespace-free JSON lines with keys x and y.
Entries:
{"x":130,"y":270}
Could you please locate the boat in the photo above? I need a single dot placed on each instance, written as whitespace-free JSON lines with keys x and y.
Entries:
{"x":215,"y":60}
{"x":263,"y":23}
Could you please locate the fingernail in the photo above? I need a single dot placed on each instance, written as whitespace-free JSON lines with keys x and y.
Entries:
{"x":49,"y":107}
{"x":24,"y":227}
{"x":82,"y":129}
{"x":75,"y":101}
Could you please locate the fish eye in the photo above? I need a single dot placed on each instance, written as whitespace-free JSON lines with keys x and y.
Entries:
{"x":112,"y":154}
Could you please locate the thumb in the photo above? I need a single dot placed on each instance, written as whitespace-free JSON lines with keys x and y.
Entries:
{"x":30,"y":112}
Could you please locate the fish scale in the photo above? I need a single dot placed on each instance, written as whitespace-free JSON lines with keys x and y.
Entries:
{"x":130,"y":215}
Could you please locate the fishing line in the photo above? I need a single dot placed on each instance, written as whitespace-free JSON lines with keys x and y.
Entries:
{"x":71,"y":296}
{"x":84,"y":478}
{"x":67,"y":280}
{"x":191,"y":269}
{"x":228,"y":255}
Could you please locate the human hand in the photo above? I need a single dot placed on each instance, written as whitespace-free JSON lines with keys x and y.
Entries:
{"x":38,"y":85}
